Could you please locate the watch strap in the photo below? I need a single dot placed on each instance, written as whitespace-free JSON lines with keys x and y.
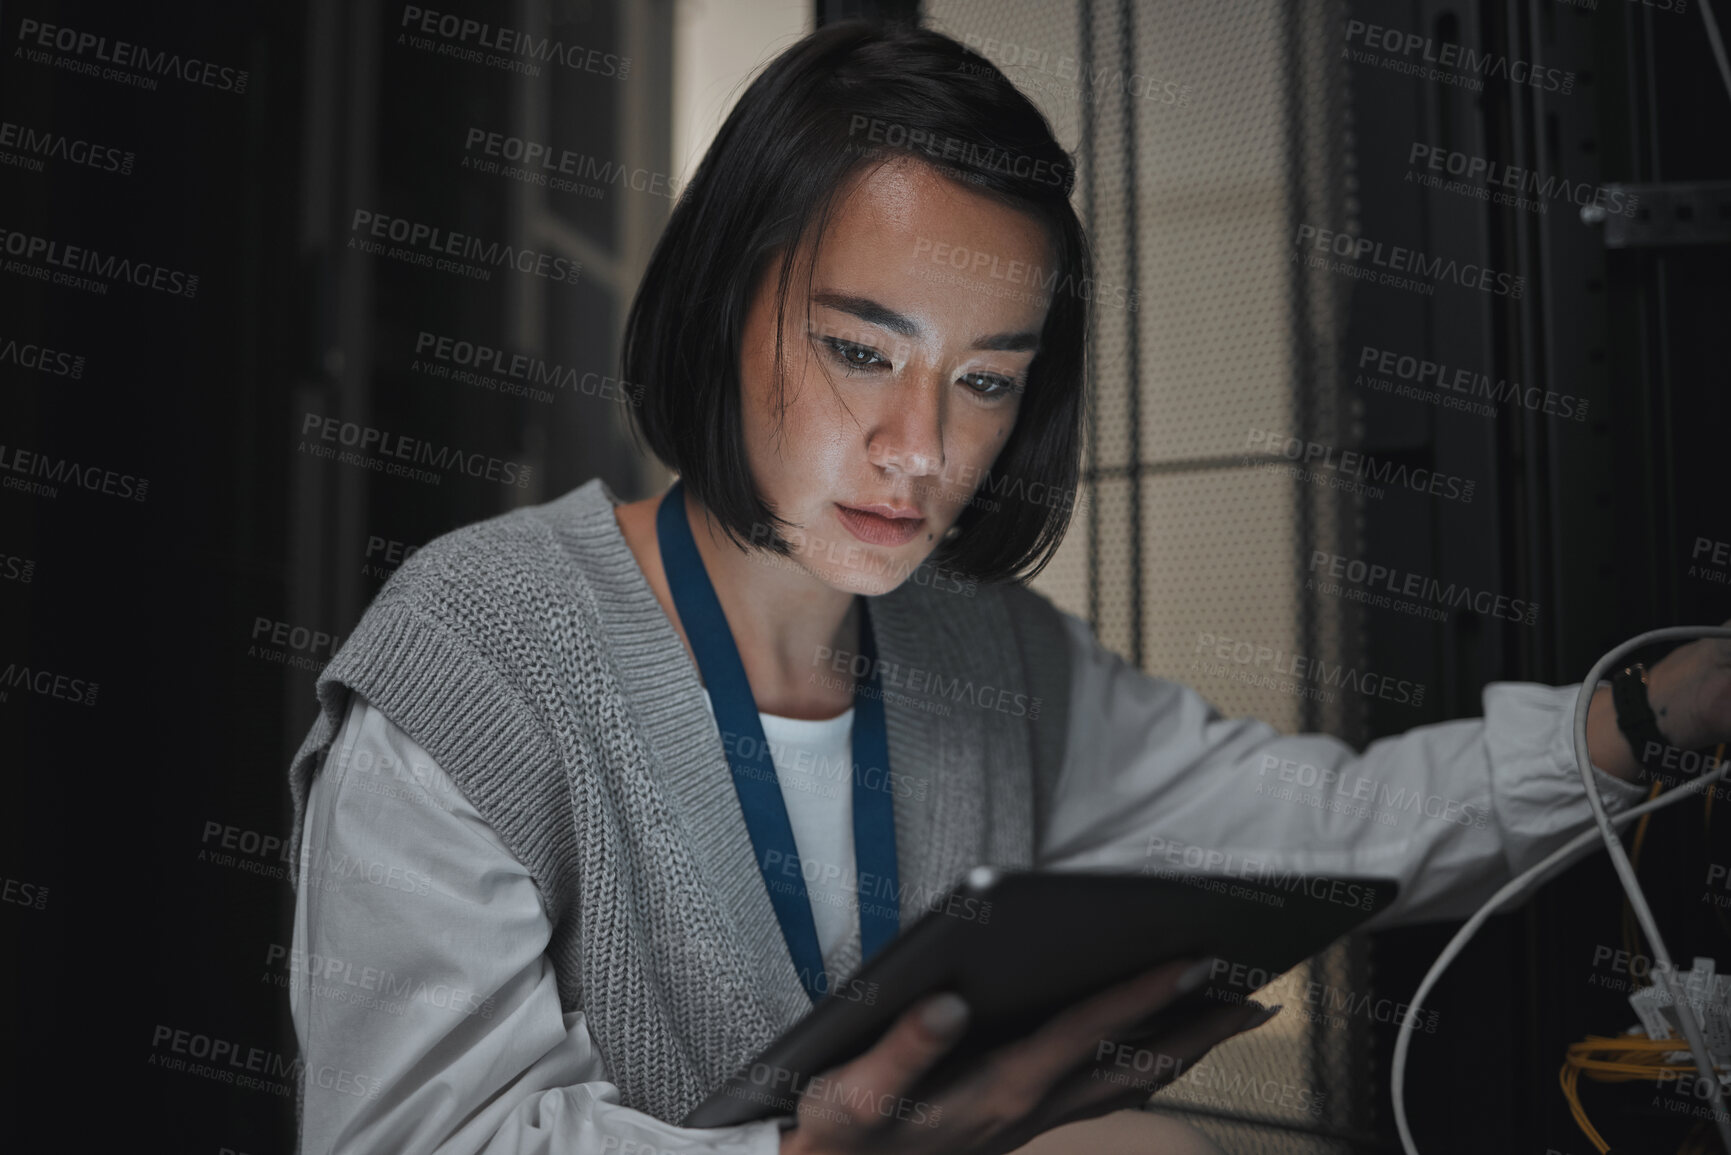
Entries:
{"x":1636,"y":720}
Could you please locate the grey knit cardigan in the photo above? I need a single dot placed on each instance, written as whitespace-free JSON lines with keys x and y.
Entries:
{"x":527,"y":654}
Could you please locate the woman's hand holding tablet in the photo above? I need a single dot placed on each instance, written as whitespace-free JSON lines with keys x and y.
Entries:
{"x":1071,"y":1068}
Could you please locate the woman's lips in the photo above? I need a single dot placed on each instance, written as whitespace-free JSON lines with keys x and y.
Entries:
{"x":876,"y":529}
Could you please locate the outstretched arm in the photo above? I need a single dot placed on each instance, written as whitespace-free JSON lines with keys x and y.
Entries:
{"x":1155,"y":778}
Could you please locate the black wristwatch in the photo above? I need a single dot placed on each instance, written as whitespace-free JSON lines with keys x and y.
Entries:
{"x":1636,"y":720}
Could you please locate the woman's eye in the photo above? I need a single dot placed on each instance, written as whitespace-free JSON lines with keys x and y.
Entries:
{"x":853,"y":356}
{"x":989,"y":384}
{"x":857,"y":357}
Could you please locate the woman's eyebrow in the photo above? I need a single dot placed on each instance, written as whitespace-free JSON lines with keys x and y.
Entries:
{"x":873,"y":313}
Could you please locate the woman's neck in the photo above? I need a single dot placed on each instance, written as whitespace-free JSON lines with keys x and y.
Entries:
{"x":789,"y":626}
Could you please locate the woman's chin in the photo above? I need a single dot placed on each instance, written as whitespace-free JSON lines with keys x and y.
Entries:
{"x":866,"y":583}
{"x":870,"y":580}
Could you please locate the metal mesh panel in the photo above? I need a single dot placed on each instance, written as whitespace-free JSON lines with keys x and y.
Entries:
{"x":1204,"y":135}
{"x":1217,"y":571}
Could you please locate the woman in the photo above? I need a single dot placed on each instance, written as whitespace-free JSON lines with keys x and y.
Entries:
{"x":537,"y":911}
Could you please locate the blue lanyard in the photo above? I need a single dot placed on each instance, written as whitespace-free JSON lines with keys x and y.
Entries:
{"x":754,"y":780}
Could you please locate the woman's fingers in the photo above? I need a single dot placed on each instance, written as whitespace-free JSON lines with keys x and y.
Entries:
{"x":1019,"y":1075}
{"x":1024,"y":1087}
{"x":879,"y":1080}
{"x":1077,"y":1033}
{"x":1127,"y":1072}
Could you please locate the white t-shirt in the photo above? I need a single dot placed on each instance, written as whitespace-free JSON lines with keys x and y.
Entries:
{"x":814,"y":764}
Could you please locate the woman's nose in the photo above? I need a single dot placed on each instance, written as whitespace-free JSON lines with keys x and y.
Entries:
{"x":909,"y":432}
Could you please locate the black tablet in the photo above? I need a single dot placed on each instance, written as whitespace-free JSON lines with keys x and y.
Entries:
{"x":1020,"y":946}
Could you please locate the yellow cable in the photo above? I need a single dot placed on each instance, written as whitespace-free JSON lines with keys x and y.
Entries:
{"x":1568,"y":1077}
{"x":1631,"y":933}
{"x":1612,"y":1060}
{"x":1629,"y":1057}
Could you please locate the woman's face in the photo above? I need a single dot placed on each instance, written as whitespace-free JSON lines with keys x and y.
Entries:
{"x":904,"y":366}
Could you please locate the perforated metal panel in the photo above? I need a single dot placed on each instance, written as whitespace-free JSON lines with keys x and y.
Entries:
{"x":1205,"y":134}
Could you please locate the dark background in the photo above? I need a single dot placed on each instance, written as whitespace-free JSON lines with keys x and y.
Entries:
{"x":109,"y":805}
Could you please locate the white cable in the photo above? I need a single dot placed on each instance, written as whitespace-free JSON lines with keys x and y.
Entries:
{"x":1705,"y":1067}
{"x":1544,"y":868}
{"x":1717,"y":44}
{"x":1606,"y":831}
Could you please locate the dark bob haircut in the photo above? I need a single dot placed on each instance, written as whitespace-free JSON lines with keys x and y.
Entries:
{"x":847,"y":96}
